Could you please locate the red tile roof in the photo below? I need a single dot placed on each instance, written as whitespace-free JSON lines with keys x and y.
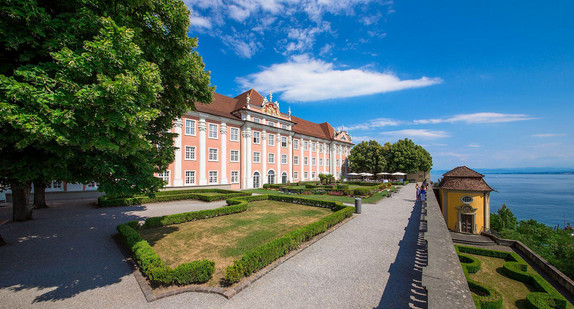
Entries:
{"x":463,"y":171}
{"x":226,"y":107}
{"x":464,"y":179}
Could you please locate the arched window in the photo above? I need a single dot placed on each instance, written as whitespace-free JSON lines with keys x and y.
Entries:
{"x":284,"y":177}
{"x":271,"y":177}
{"x":256,"y":179}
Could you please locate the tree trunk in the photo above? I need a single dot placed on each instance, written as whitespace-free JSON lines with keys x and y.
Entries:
{"x":40,"y":195}
{"x":22,"y":210}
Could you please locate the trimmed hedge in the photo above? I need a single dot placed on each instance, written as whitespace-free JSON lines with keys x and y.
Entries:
{"x":194,"y":215}
{"x":274,"y":186}
{"x":176,"y":195}
{"x":515,"y":267}
{"x":259,"y":257}
{"x":342,"y":187}
{"x":153,"y":266}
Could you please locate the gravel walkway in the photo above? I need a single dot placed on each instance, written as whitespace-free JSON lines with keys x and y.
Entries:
{"x":67,"y":258}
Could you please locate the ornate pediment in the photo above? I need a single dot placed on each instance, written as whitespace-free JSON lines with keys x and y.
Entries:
{"x":270,"y":107}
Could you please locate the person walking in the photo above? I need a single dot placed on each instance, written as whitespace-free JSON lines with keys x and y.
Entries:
{"x":418,"y":191}
{"x":423,"y":194}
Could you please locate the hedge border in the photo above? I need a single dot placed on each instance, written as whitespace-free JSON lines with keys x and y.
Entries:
{"x":153,"y":267}
{"x":265,"y":254}
{"x":514,"y":267}
{"x":175,"y":195}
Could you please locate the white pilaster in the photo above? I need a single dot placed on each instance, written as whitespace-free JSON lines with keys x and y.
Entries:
{"x":324,"y":166}
{"x":317,"y":167}
{"x":332,"y":159}
{"x":290,"y":159}
{"x":246,"y":134}
{"x":249,"y":158}
{"x":202,"y":151}
{"x":223,"y":137}
{"x":301,"y":159}
{"x":278,"y":178}
{"x":264,"y":157}
{"x":177,"y":180}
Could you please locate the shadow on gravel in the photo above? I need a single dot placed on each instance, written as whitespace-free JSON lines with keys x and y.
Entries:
{"x":404,"y":288}
{"x":66,"y":250}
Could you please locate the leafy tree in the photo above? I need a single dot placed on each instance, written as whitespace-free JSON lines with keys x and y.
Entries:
{"x":368,"y":156}
{"x":406,"y":156}
{"x":89,"y":91}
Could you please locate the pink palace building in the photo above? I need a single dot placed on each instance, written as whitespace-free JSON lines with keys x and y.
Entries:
{"x":246,"y":142}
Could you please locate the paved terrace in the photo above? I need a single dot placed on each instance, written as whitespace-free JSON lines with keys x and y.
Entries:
{"x":66,"y":257}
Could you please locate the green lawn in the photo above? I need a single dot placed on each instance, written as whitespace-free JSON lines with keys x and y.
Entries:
{"x":513,"y":292}
{"x":226,"y":238}
{"x":343,"y":199}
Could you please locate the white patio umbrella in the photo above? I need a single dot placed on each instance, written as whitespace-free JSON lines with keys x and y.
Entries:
{"x":366,"y":174}
{"x":352,"y":174}
{"x":398,"y":174}
{"x":383,"y":173}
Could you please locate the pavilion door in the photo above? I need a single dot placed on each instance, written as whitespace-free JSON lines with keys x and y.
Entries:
{"x":466,"y":223}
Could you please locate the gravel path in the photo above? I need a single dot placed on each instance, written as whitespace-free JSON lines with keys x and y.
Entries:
{"x":67,"y":258}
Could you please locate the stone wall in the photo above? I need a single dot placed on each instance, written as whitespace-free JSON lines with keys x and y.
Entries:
{"x":443,"y":276}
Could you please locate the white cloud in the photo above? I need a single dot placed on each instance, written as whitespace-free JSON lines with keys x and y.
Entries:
{"x":325,"y":50}
{"x":417,"y":133}
{"x":460,"y":156}
{"x":200,"y":22}
{"x":244,"y":48}
{"x":298,"y":23}
{"x":548,"y":134}
{"x":374,"y":123}
{"x":305,"y":79}
{"x":478,"y":118}
{"x":473,"y":145}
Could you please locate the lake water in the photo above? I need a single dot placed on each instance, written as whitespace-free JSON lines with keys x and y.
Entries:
{"x":547,"y":198}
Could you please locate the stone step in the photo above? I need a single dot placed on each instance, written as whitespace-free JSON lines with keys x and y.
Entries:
{"x":474,"y":242}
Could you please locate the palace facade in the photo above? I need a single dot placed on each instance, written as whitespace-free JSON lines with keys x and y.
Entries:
{"x":246,"y":142}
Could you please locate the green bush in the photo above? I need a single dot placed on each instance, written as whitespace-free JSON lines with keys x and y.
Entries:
{"x":194,"y":215}
{"x":259,"y":257}
{"x":342,"y":187}
{"x":311,"y":186}
{"x":176,"y":195}
{"x":154,"y":268}
{"x":515,"y":267}
{"x":274,"y":185}
{"x":362,"y":191}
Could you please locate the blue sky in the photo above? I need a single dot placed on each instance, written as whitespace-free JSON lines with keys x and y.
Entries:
{"x":487,"y":84}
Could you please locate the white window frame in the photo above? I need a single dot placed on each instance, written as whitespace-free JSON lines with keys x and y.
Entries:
{"x":236,"y":176}
{"x":283,"y":126}
{"x":193,"y":150}
{"x":305,"y":175}
{"x":256,"y":120}
{"x":295,"y":160}
{"x":284,"y":141}
{"x":295,"y":144}
{"x":256,"y":137}
{"x":283,"y":159}
{"x":210,"y":126}
{"x":187,"y":177}
{"x":313,"y":161}
{"x":313,"y":147}
{"x":296,"y":175}
{"x":163,"y":175}
{"x":269,"y":157}
{"x":190,"y":127}
{"x":313,"y":175}
{"x":271,"y":138}
{"x":306,"y":145}
{"x":271,"y":123}
{"x":258,"y":157}
{"x":305,"y":161}
{"x":231,"y":155}
{"x":210,"y":177}
{"x":216,"y":155}
{"x":232,"y":134}
{"x":320,"y":162}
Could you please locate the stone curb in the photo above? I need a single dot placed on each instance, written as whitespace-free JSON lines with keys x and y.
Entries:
{"x":228,"y":293}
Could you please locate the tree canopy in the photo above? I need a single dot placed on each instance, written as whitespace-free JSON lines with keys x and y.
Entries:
{"x":405,"y":156}
{"x":89,"y":91}
{"x":367,"y":156}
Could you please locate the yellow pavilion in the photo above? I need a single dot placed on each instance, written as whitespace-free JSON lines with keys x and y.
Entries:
{"x":465,"y":200}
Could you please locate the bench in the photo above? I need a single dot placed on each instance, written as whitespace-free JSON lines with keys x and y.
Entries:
{"x":2,"y":242}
